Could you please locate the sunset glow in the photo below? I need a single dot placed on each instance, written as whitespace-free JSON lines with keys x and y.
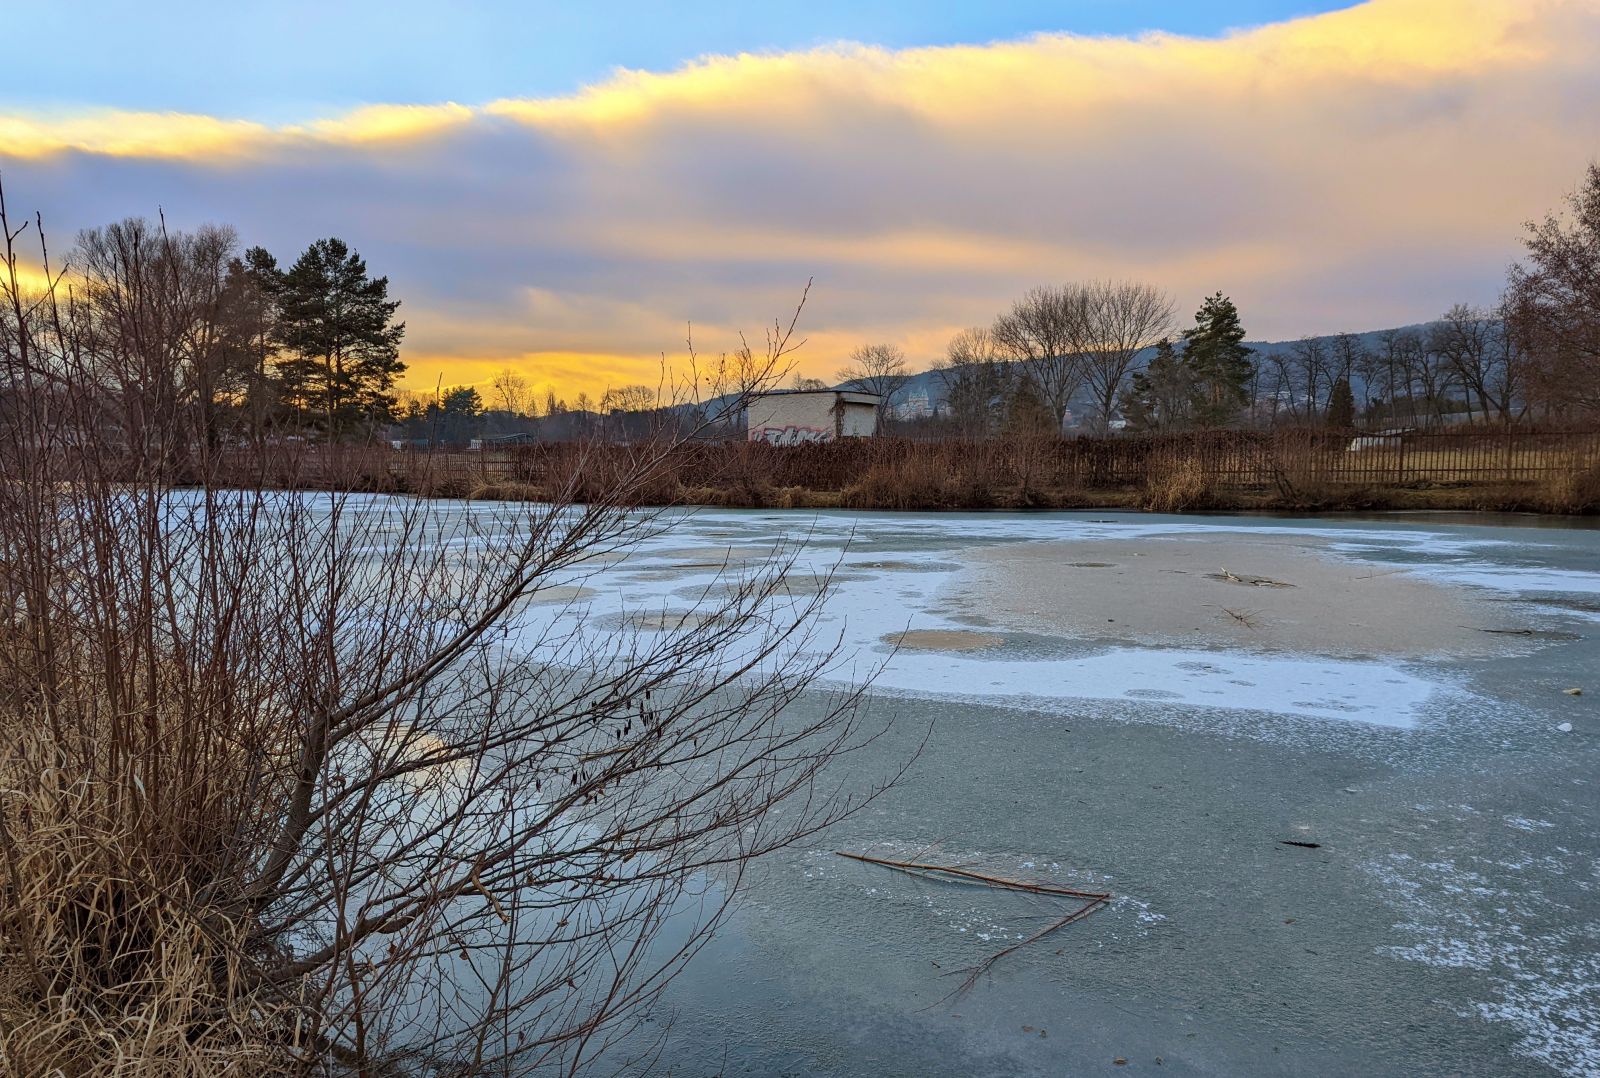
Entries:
{"x":1328,"y":172}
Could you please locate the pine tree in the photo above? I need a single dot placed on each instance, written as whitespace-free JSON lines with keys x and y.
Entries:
{"x":1163,"y":396}
{"x":249,"y":321}
{"x":1341,"y":406}
{"x":1214,"y":351}
{"x":342,"y":345}
{"x":1027,"y":412}
{"x":459,"y":413}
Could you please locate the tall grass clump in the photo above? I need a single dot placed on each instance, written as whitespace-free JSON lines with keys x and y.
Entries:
{"x":917,"y":481}
{"x":1174,"y":486}
{"x":1576,"y":490}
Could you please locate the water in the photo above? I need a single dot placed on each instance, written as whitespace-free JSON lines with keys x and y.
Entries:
{"x":1446,"y":922}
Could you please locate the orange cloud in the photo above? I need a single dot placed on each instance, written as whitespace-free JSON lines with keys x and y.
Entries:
{"x":1354,"y":170}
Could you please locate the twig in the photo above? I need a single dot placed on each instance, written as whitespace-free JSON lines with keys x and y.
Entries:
{"x":983,"y":967}
{"x":1093,"y":900}
{"x":977,"y":877}
{"x":1256,"y":581}
{"x":1247,"y":618}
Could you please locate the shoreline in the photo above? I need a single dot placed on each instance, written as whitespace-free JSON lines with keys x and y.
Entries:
{"x":1473,"y":501}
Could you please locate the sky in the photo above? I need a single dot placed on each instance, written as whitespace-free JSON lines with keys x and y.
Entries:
{"x":565,"y":189}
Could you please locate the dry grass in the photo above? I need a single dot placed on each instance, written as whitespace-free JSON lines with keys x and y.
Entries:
{"x":1575,"y":492}
{"x":124,"y":960}
{"x":918,"y":483}
{"x":1305,"y":470}
{"x":506,"y":490}
{"x":1176,"y":486}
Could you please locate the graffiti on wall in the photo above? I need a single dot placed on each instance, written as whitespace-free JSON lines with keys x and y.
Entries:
{"x":791,"y":435}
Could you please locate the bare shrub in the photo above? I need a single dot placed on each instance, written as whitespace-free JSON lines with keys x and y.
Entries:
{"x":319,"y":782}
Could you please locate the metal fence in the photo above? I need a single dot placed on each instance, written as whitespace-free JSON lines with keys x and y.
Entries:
{"x":1251,"y":460}
{"x":1237,"y":460}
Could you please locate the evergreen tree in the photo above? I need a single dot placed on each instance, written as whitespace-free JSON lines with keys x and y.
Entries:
{"x":249,"y":320}
{"x":1214,"y":352}
{"x":459,"y":412}
{"x":341,"y":343}
{"x":1166,"y":395}
{"x":1341,"y":406}
{"x":1027,"y":411}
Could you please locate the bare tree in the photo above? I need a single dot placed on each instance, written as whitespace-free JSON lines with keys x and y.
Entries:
{"x":297,"y":782}
{"x":1553,"y":303}
{"x":1298,"y":378}
{"x":737,"y":377}
{"x":1391,"y":365}
{"x":976,"y":381}
{"x":1432,"y":379}
{"x":1044,"y":332}
{"x":1484,"y":359}
{"x":628,"y":399}
{"x":1122,"y":319}
{"x":512,"y":393}
{"x":151,"y":319}
{"x":877,"y":368}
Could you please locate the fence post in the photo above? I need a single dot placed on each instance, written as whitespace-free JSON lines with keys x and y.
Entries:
{"x":1400,"y":461}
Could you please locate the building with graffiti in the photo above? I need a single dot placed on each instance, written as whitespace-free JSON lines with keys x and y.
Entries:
{"x":794,"y":416}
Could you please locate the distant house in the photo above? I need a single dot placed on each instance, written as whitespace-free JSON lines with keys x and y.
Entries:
{"x":794,"y":416}
{"x":1380,"y":439}
{"x":913,"y":405}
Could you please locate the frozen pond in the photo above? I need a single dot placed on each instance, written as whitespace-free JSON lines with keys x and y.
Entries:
{"x":1447,"y":922}
{"x":1156,"y":706}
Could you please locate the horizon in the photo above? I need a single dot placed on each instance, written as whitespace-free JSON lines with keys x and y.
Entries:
{"x":1321,"y":163}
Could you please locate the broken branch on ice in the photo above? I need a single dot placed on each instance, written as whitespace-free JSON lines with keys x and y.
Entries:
{"x":1092,"y":900}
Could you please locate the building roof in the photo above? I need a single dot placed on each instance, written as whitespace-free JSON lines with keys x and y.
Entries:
{"x":848,"y":396}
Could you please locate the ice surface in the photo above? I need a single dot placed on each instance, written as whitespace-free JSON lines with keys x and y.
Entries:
{"x":895,"y":568}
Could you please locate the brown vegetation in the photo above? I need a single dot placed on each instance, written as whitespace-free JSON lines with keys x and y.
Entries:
{"x":285,"y":787}
{"x":1174,"y":486}
{"x":1289,"y":469}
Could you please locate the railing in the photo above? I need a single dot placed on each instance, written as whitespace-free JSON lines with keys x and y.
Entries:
{"x":1236,"y":460}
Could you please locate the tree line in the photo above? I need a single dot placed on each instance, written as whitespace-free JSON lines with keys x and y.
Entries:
{"x":193,"y":344}
{"x":461,"y":415}
{"x":196,"y":342}
{"x":1109,"y":350}
{"x":1057,"y":346}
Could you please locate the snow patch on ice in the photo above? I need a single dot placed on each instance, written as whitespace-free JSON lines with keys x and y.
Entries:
{"x":900,"y":582}
{"x":1546,"y":984}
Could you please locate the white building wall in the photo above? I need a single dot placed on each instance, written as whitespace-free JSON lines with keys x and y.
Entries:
{"x":859,"y":420}
{"x":791,"y":418}
{"x":794,"y":418}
